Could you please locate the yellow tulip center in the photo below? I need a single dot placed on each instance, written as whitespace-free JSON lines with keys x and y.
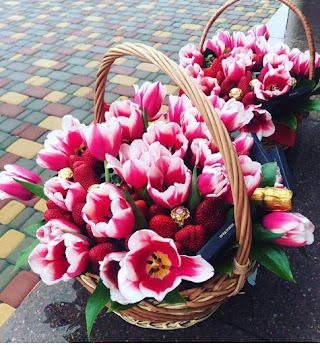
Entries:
{"x":158,"y":265}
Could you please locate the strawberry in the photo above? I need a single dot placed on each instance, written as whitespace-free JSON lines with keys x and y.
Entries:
{"x":210,"y":214}
{"x":92,"y":161}
{"x":135,"y":196}
{"x":248,"y":75}
{"x":143,"y":208}
{"x":94,"y":238}
{"x":163,"y":226}
{"x":208,"y":72}
{"x":99,"y":251}
{"x":243,"y":84}
{"x":74,"y":158}
{"x":249,"y":98}
{"x":155,"y":210}
{"x":191,"y":237}
{"x":258,"y":59}
{"x":85,"y":175}
{"x":216,"y":66}
{"x":56,"y":213}
{"x":181,"y":250}
{"x":220,"y":77}
{"x":227,"y":85}
{"x":51,"y":204}
{"x":77,"y":216}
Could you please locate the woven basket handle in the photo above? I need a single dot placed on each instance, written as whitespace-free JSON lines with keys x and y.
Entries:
{"x":216,"y":127}
{"x":294,"y":8}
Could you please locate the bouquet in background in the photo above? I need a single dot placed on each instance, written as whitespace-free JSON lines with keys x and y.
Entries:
{"x":269,"y":80}
{"x":137,"y":197}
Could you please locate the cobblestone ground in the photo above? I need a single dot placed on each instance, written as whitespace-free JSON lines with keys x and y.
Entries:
{"x":50,"y":53}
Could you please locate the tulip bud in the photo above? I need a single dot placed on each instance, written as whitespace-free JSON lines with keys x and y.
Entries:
{"x":297,"y":230}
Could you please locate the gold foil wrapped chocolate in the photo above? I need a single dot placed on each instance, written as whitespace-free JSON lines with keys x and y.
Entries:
{"x":293,"y":82}
{"x":181,"y":215}
{"x":273,"y":199}
{"x":65,"y":173}
{"x":236,"y":93}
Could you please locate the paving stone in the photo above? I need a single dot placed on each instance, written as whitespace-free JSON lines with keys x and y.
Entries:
{"x":57,"y":109}
{"x":6,"y":276}
{"x":34,"y":117}
{"x":5,"y":312}
{"x":13,"y":98}
{"x":51,"y":122}
{"x":36,"y":91}
{"x":8,"y":142}
{"x":3,"y":228}
{"x":37,"y":104}
{"x":19,"y":220}
{"x":9,"y":125}
{"x":9,"y":241}
{"x":8,"y":158}
{"x":13,"y":257}
{"x":3,"y":265}
{"x":24,"y":148}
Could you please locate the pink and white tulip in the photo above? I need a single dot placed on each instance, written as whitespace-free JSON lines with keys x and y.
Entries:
{"x":297,"y":229}
{"x":9,"y":188}
{"x":177,"y":105}
{"x":108,"y":213}
{"x":61,"y":259}
{"x":213,"y":181}
{"x":259,"y":31}
{"x":61,"y":144}
{"x":149,"y":98}
{"x":64,"y":193}
{"x":243,"y":143}
{"x":261,"y":123}
{"x":109,"y":269}
{"x":169,"y":135}
{"x":169,"y":182}
{"x":276,"y":82}
{"x":135,"y":160}
{"x":153,"y":267}
{"x":234,"y":67}
{"x":53,"y":228}
{"x":189,"y":55}
{"x":103,"y":138}
{"x":193,"y":125}
{"x":273,"y":60}
{"x":129,"y":116}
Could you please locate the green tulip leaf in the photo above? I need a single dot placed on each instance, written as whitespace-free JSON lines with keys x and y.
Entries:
{"x":23,"y":257}
{"x":269,"y":173}
{"x":33,"y":188}
{"x":173,"y":297}
{"x":273,"y":258}
{"x":194,"y":196}
{"x":96,"y":302}
{"x":115,"y":306}
{"x":32,"y":229}
{"x":261,"y":234}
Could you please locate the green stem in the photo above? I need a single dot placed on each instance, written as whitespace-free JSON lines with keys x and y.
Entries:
{"x":145,"y":120}
{"x":106,"y":171}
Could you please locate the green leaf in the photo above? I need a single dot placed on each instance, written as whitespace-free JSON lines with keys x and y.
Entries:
{"x":230,"y":213}
{"x":96,"y":302}
{"x":269,"y":173}
{"x":140,"y":221}
{"x":290,"y":121}
{"x":32,"y":229}
{"x":273,"y":258}
{"x":33,"y":188}
{"x":115,"y":306}
{"x":261,"y":234}
{"x":311,"y":105}
{"x":226,"y":266}
{"x":23,"y":257}
{"x":194,"y":196}
{"x":173,"y":297}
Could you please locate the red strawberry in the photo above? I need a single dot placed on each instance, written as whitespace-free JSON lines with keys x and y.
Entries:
{"x":220,"y":77}
{"x":92,"y":161}
{"x":51,"y":204}
{"x":210,"y":214}
{"x":163,"y":226}
{"x":99,"y":251}
{"x":258,"y":59}
{"x":77,"y":216}
{"x":227,"y":85}
{"x":85,"y":175}
{"x":208,"y":72}
{"x":57,"y":213}
{"x":135,"y":196}
{"x":249,"y":98}
{"x":94,"y":238}
{"x":181,"y":250}
{"x":248,"y":75}
{"x":74,"y":158}
{"x":155,"y":210}
{"x":216,"y":66}
{"x":243,"y":84}
{"x":143,"y":208}
{"x":191,"y":237}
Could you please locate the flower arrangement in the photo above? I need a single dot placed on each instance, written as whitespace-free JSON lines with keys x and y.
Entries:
{"x":138,"y":196}
{"x":269,"y":80}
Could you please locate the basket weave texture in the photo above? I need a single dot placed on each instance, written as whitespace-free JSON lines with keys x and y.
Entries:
{"x":204,"y":299}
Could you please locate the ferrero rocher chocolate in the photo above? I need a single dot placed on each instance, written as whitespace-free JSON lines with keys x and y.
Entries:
{"x":236,"y":93}
{"x":293,"y":82}
{"x":252,"y":82}
{"x":92,"y":187}
{"x":65,"y":173}
{"x":272,"y":198}
{"x":181,"y":215}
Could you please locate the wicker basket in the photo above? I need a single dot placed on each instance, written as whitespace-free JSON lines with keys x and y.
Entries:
{"x":203,"y":300}
{"x":269,"y":143}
